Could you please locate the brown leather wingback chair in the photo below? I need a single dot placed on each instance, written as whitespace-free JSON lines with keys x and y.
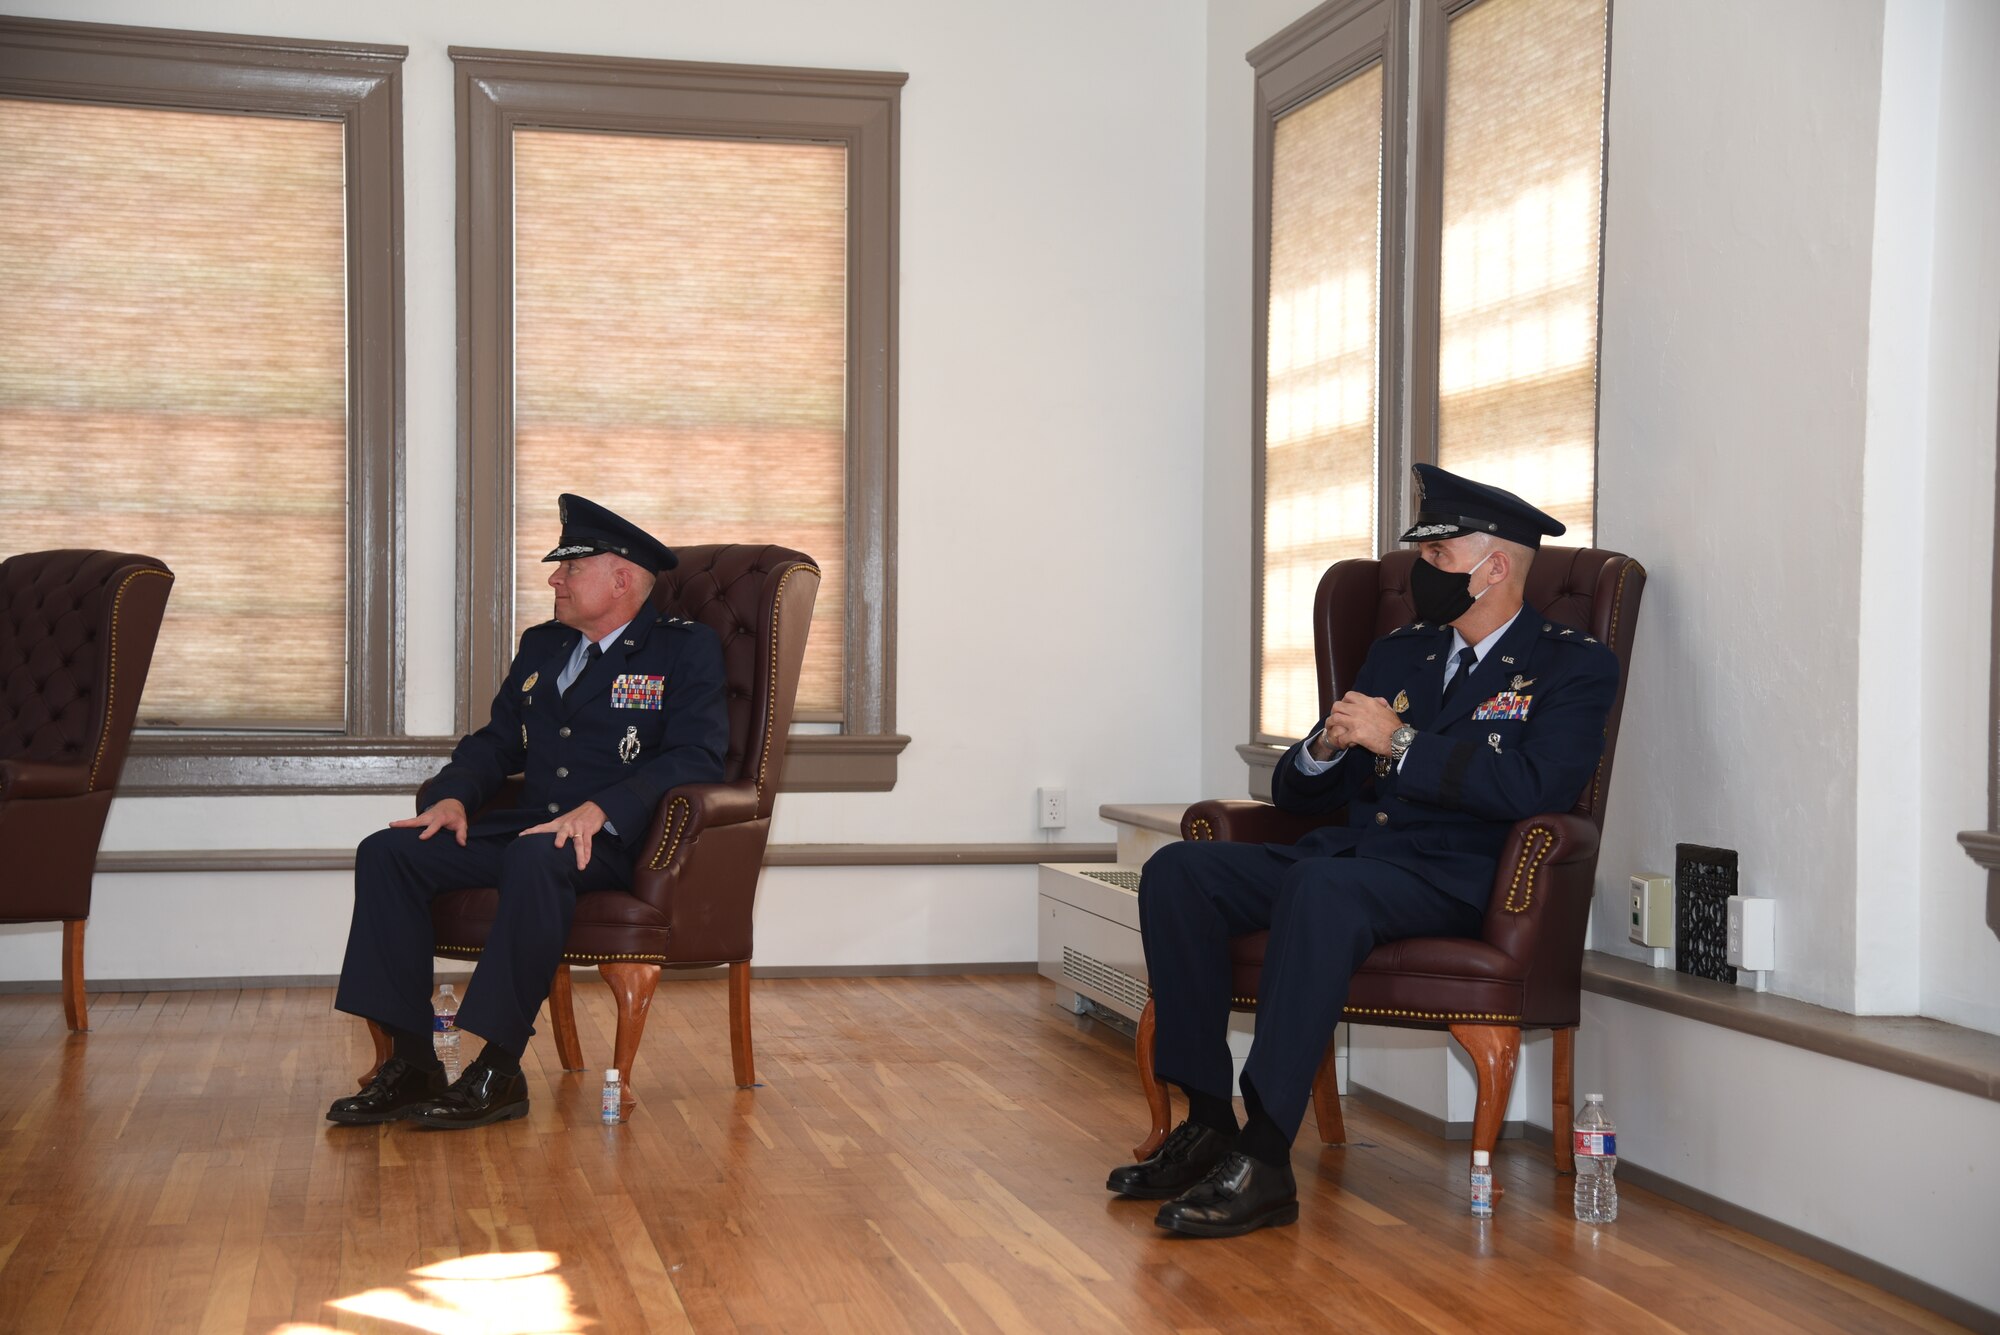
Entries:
{"x":1525,"y":970}
{"x":696,"y":879}
{"x":77,"y":630}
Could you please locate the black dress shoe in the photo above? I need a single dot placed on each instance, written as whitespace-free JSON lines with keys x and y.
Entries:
{"x":1181,"y":1161}
{"x":396,"y":1089}
{"x":479,"y":1097}
{"x":1239,"y":1196}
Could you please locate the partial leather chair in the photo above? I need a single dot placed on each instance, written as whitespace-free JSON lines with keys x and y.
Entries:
{"x":1525,"y":971}
{"x":696,"y":880}
{"x":77,"y":630}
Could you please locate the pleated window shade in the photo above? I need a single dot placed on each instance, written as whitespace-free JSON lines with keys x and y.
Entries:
{"x":680,"y":353}
{"x":173,"y":382}
{"x":1321,"y":376}
{"x":1523,"y":194}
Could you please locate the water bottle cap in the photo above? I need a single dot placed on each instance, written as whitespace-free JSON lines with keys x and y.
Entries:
{"x":611,"y":1074}
{"x":1593,"y":1098}
{"x":1481,"y":1158}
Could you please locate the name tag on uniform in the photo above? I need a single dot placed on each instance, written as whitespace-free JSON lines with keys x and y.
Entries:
{"x":1507,"y":704}
{"x":635,"y":691}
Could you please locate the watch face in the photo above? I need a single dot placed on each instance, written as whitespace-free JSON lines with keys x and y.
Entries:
{"x":1403,"y":736}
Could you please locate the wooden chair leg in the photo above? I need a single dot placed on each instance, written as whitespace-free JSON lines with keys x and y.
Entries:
{"x":740,"y":1054}
{"x":562,"y":1019}
{"x":632,"y":986}
{"x":1494,"y":1049}
{"x":1326,"y":1102}
{"x":76,"y":1009}
{"x":384,"y":1046}
{"x":1562,"y":1099}
{"x":1159,"y":1103}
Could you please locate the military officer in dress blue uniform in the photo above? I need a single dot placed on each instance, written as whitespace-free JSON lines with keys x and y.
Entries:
{"x":1480,"y":713}
{"x":604,"y":709}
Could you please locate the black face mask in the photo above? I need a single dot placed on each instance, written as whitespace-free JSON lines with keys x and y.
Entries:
{"x":1441,"y":596}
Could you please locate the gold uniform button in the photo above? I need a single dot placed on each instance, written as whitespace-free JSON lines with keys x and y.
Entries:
{"x":562,"y":771}
{"x":1381,"y":818}
{"x":553,"y":808}
{"x":562,"y":732}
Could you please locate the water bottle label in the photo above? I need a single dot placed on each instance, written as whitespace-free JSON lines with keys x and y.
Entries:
{"x":443,"y":1020}
{"x":1597,"y":1144}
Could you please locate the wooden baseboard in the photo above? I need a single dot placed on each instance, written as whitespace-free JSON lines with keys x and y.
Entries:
{"x":102,"y":986}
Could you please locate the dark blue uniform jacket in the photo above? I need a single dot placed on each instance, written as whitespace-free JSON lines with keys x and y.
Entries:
{"x":1503,"y":753}
{"x":649,"y":715}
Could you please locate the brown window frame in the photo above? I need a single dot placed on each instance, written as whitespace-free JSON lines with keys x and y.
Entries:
{"x":499,"y":91}
{"x":1314,"y":53}
{"x":359,"y":85}
{"x":1323,"y":49}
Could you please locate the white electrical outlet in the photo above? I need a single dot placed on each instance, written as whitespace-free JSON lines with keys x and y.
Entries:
{"x":1652,"y":911}
{"x":1053,"y":806}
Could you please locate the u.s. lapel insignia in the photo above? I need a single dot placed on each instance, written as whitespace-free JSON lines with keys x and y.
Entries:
{"x":628,"y":745}
{"x":1508,"y":659}
{"x":1430,"y":658}
{"x":1493,"y":740}
{"x":1522,"y":683}
{"x":1401,"y":703}
{"x":529,"y":684}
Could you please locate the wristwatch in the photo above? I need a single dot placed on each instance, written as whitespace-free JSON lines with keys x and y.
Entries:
{"x":1399,"y":742}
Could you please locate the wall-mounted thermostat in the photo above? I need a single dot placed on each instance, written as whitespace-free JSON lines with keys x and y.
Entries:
{"x":1653,"y":911}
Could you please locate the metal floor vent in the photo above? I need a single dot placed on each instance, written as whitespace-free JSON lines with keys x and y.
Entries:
{"x":1087,"y":971}
{"x":1124,"y":880}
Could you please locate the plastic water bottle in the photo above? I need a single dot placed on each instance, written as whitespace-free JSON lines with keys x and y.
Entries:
{"x":444,"y":1030}
{"x":1596,"y":1161}
{"x":1482,"y":1184}
{"x":614,"y":1098}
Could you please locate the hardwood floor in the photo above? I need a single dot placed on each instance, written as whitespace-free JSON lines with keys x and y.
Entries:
{"x":925,"y":1155}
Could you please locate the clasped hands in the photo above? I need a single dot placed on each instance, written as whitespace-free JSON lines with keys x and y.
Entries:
{"x":1356,"y":720}
{"x":575,"y":826}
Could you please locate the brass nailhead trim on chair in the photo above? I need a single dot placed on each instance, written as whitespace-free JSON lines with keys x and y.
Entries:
{"x":1540,"y":840}
{"x":678,"y":813}
{"x":111,"y":696}
{"x":569,"y":957}
{"x":771,"y":715}
{"x":1199,"y":828}
{"x":1431,"y":1015}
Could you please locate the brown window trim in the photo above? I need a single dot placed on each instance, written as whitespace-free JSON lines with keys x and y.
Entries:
{"x":499,"y":90}
{"x":359,"y":85}
{"x":1324,"y":48}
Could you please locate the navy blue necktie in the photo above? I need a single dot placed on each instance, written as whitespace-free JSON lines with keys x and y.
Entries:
{"x":1467,"y":657}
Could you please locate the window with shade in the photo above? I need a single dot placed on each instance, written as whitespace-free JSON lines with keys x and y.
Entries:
{"x":680,"y":302}
{"x":199,"y":362}
{"x":1490,"y":368}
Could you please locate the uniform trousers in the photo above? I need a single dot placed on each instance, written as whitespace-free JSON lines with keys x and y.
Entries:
{"x":386,"y":976}
{"x":1325,"y":914}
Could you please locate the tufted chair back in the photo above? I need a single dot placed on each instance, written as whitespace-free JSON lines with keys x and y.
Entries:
{"x":77,"y":630}
{"x":736,"y":590}
{"x":1595,"y":590}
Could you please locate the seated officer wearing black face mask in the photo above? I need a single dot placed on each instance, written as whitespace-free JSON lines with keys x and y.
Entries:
{"x":1479,"y":713}
{"x":605,"y":708}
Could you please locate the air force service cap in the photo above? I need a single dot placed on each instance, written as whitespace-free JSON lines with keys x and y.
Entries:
{"x":1450,"y":506}
{"x":588,"y":529}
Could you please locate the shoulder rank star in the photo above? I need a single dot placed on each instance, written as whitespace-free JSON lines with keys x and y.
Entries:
{"x":628,"y":745}
{"x":1401,"y":702}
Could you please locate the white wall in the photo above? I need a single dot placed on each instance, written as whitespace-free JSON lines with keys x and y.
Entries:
{"x":1051,"y":408}
{"x":1897,"y":1170}
{"x":1960,"y":957}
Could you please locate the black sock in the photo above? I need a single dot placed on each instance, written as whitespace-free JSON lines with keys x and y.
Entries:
{"x":1261,"y":1139}
{"x":416,"y":1049}
{"x":1211,"y":1110}
{"x":499,"y":1060}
